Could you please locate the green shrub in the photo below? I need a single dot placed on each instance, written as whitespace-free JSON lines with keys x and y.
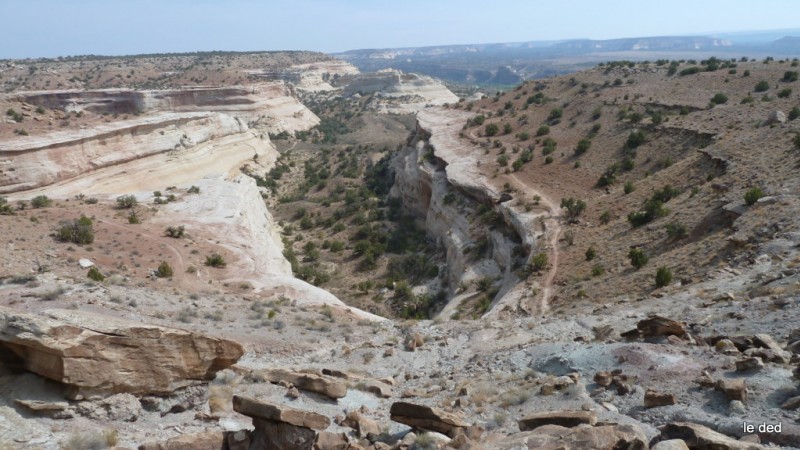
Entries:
{"x":41,"y":201}
{"x":543,"y":130}
{"x":605,"y":217}
{"x":790,"y":75}
{"x":194,"y":190}
{"x":794,"y":113}
{"x":215,"y":260}
{"x":164,"y":270}
{"x":785,"y":93}
{"x":548,"y":160}
{"x":638,"y":258}
{"x":590,"y":253}
{"x":507,"y":129}
{"x":491,"y":129}
{"x":676,"y":230}
{"x":573,"y":206}
{"x":538,"y":262}
{"x":598,"y":270}
{"x":653,"y":209}
{"x":752,"y":195}
{"x":582,"y":147}
{"x":635,"y":139}
{"x":5,"y":208}
{"x":78,"y":231}
{"x":523,"y":136}
{"x":628,"y":187}
{"x":336,"y":246}
{"x":133,"y":218}
{"x":95,"y":274}
{"x":175,"y":232}
{"x":555,"y":114}
{"x":761,"y":86}
{"x":719,"y":99}
{"x":663,"y":277}
{"x":689,"y":71}
{"x":126,"y":202}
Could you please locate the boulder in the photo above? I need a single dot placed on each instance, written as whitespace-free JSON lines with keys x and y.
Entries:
{"x":660,"y":326}
{"x":327,"y":440}
{"x":363,"y":425}
{"x":567,"y":419}
{"x":791,"y":403}
{"x":554,"y":437}
{"x":776,"y":117}
{"x":748,"y":364}
{"x":672,"y":444}
{"x":96,"y":354}
{"x":734,"y":389}
{"x":426,"y":418}
{"x":279,"y":413}
{"x":698,"y":437}
{"x":653,"y":399}
{"x":306,"y":381}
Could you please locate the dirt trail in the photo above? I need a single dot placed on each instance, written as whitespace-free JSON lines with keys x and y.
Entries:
{"x":552,"y":230}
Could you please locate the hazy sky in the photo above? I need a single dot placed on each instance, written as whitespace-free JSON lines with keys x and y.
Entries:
{"x":34,"y":28}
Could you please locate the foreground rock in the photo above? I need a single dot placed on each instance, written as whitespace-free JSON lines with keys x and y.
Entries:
{"x":94,"y":354}
{"x":307,"y":382}
{"x":567,"y":419}
{"x":554,"y":437}
{"x":426,"y":418}
{"x":702,"y":438}
{"x":279,"y":427}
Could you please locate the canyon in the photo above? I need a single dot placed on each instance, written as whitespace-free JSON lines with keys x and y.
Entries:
{"x":315,"y":257}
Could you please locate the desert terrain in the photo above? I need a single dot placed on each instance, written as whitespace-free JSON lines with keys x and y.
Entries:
{"x":276,"y":251}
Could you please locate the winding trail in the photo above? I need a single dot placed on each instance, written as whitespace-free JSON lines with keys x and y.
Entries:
{"x":552,"y":230}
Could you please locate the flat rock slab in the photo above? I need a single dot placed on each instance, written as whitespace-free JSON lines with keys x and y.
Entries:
{"x":566,"y":419}
{"x":554,"y":437}
{"x":426,"y":418}
{"x":699,"y":437}
{"x":307,"y":382}
{"x":96,"y":354}
{"x":279,"y":413}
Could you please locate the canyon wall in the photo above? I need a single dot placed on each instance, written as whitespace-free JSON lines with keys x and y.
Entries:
{"x":481,"y":237}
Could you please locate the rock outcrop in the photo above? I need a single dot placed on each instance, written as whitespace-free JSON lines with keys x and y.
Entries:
{"x":699,"y":437}
{"x":306,"y":381}
{"x":426,"y":418}
{"x":94,"y":354}
{"x":279,"y":427}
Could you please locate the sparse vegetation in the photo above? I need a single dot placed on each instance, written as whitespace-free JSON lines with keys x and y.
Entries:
{"x":164,"y":270}
{"x":215,"y":260}
{"x":663,"y":277}
{"x":126,"y":201}
{"x":638,"y":257}
{"x":573,"y":206}
{"x":41,"y":201}
{"x":78,"y":231}
{"x":752,"y":195}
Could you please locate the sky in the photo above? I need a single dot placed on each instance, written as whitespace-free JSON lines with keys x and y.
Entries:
{"x":49,"y":28}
